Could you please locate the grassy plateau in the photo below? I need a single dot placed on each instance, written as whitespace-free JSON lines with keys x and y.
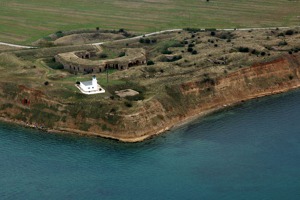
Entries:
{"x":23,"y":22}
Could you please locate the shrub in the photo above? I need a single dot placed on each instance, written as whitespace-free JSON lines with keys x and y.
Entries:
{"x":194,"y":52}
{"x":289,"y":32}
{"x":104,"y":127}
{"x":128,"y":104}
{"x":142,"y":40}
{"x":103,"y":55}
{"x":126,"y":34}
{"x":191,"y":45}
{"x":59,"y":34}
{"x":166,"y":51}
{"x":192,"y":30}
{"x":175,"y":58}
{"x":112,"y":119}
{"x":282,"y":43}
{"x":243,"y":49}
{"x":46,"y":83}
{"x":147,"y":41}
{"x":263,"y":53}
{"x":150,"y":62}
{"x":254,"y":51}
{"x":212,"y":33}
{"x":210,"y":29}
{"x":190,"y":49}
{"x":225,"y":35}
{"x":84,"y":126}
{"x":209,"y":80}
{"x":121,"y":54}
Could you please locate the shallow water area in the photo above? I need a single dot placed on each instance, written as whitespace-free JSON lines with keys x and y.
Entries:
{"x":251,"y":151}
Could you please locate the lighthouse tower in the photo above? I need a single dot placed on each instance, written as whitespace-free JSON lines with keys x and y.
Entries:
{"x":90,"y":87}
{"x":94,"y":82}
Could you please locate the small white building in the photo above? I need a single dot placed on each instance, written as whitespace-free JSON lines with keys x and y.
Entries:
{"x":90,"y":87}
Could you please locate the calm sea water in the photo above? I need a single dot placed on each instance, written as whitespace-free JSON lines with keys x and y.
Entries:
{"x":251,"y":151}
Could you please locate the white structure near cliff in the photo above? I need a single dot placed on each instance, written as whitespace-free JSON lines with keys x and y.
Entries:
{"x":90,"y":87}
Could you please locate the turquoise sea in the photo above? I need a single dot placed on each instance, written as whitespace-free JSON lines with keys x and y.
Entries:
{"x":249,"y":152}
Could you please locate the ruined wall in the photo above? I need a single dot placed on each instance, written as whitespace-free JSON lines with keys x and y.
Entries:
{"x":79,"y":61}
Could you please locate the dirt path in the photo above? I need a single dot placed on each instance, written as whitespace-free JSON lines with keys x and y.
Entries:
{"x":156,"y":33}
{"x":140,"y":36}
{"x":15,"y":45}
{"x":175,"y":30}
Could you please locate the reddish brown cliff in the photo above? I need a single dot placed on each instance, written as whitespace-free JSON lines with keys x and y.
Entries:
{"x":159,"y":113}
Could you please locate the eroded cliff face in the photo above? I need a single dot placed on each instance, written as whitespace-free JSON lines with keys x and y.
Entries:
{"x":155,"y":115}
{"x":193,"y":98}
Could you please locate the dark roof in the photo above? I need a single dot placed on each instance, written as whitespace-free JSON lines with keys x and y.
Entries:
{"x":87,"y":83}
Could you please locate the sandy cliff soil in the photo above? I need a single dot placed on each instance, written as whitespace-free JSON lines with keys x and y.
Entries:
{"x":197,"y":98}
{"x":181,"y":102}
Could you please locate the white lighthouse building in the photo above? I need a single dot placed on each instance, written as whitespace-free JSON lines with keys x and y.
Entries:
{"x":90,"y":87}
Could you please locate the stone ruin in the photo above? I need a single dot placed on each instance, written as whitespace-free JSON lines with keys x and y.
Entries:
{"x":80,"y":61}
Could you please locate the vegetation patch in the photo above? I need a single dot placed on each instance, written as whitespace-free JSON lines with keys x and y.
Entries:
{"x":84,"y":126}
{"x":50,"y":62}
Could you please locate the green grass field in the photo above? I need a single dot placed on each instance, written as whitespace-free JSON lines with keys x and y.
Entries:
{"x":23,"y":22}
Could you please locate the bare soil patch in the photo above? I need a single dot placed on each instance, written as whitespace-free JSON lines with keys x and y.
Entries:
{"x":126,"y":93}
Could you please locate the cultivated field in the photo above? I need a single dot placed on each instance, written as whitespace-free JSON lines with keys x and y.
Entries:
{"x":23,"y":22}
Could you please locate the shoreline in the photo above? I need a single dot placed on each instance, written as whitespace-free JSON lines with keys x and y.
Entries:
{"x":172,"y":125}
{"x":204,"y":113}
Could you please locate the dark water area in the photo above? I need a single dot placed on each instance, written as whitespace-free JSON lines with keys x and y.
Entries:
{"x":251,"y":151}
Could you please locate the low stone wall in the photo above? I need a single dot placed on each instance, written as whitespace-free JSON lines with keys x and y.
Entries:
{"x":80,"y":62}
